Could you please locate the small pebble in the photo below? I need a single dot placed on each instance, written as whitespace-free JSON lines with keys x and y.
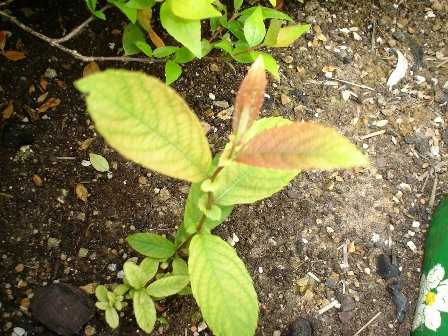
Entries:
{"x":19,"y":331}
{"x":83,"y":252}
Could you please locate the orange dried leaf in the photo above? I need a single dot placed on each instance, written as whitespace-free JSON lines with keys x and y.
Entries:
{"x":90,"y":68}
{"x":34,"y":116}
{"x":300,"y":146}
{"x":351,"y":247}
{"x":52,"y":102}
{"x":32,"y":89}
{"x":2,"y":41}
{"x":13,"y":55}
{"x":43,"y":84}
{"x":37,"y":180}
{"x":158,"y":42}
{"x":25,"y":302}
{"x":8,"y":111}
{"x":81,"y":192}
{"x":42,"y":97}
{"x":250,"y":98}
{"x":62,"y":84}
{"x":279,"y":5}
{"x":89,"y":288}
{"x":86,"y":143}
{"x":329,"y":68}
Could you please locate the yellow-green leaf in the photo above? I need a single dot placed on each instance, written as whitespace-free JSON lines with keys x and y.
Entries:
{"x":99,"y":162}
{"x":147,"y":122}
{"x":194,"y":9}
{"x":222,"y":286}
{"x":254,"y":29}
{"x":287,"y":35}
{"x":144,"y":311}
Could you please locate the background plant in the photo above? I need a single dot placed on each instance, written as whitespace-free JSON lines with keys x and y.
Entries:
{"x":237,"y":34}
{"x":149,"y":123}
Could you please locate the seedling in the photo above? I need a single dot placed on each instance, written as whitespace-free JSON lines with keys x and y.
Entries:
{"x":234,"y":35}
{"x":148,"y":122}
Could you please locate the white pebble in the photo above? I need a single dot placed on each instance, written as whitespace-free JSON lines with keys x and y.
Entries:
{"x":330,"y":229}
{"x":19,"y":331}
{"x":416,"y":224}
{"x":112,"y":267}
{"x":411,"y":245}
{"x":260,"y":269}
{"x":375,"y":237}
{"x":211,"y":96}
{"x":367,"y":270}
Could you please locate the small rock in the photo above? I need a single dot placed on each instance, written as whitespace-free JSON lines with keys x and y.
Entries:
{"x":142,"y":180}
{"x":19,"y":331}
{"x":345,"y":316}
{"x":50,"y":73}
{"x":398,"y":36}
{"x":53,"y":242}
{"x":62,"y":308}
{"x":83,"y":252}
{"x":221,"y":103}
{"x":164,"y":194}
{"x":441,"y":97}
{"x":89,"y":330}
{"x":437,"y":6}
{"x":385,"y":268}
{"x":214,"y":67}
{"x":19,"y":268}
{"x":276,"y":333}
{"x":302,"y":327}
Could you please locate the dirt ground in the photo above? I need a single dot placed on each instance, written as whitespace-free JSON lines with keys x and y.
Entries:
{"x":293,"y":242}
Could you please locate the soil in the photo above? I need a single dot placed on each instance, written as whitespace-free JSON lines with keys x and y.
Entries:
{"x":48,"y":234}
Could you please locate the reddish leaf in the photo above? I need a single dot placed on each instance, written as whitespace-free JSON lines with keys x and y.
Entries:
{"x":2,"y":41}
{"x":249,"y":98}
{"x":300,"y":146}
{"x":13,"y":55}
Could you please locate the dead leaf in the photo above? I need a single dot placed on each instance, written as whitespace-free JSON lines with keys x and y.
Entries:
{"x":90,"y":68}
{"x":37,"y":180}
{"x":81,"y":192}
{"x":62,"y":84}
{"x":8,"y":111}
{"x":25,"y":302}
{"x":158,"y":42}
{"x":52,"y":102}
{"x":225,"y":114}
{"x":2,"y":41}
{"x":329,"y":68}
{"x":34,"y":116}
{"x":279,"y":5}
{"x":86,"y":143}
{"x":13,"y":55}
{"x":399,"y":71}
{"x":42,"y":97}
{"x":89,"y":288}
{"x":32,"y":89}
{"x":351,"y":247}
{"x":43,"y":84}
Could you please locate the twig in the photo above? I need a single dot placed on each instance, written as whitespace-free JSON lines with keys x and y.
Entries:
{"x":442,"y":63}
{"x":433,"y":191}
{"x":328,"y":307}
{"x":358,"y":85}
{"x":371,"y":135}
{"x":368,"y":323}
{"x":55,"y":43}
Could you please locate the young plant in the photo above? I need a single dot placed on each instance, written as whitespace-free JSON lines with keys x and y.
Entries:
{"x":148,"y":122}
{"x":238,"y":35}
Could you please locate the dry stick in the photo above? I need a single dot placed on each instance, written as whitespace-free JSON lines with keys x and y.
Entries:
{"x":443,"y":63}
{"x":367,"y":324}
{"x":354,"y":84}
{"x":74,"y":53}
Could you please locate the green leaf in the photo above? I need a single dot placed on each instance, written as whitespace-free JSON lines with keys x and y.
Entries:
{"x":287,"y":35}
{"x":167,"y":286}
{"x":249,"y":98}
{"x":172,"y":71}
{"x":273,"y":2}
{"x":148,"y":122}
{"x":183,"y":55}
{"x":300,"y":146}
{"x":102,"y":305}
{"x":268,"y":13}
{"x":180,"y":267}
{"x":144,"y":311}
{"x":121,"y":289}
{"x":238,"y":183}
{"x":135,"y":275}
{"x":131,"y":13}
{"x":99,"y":162}
{"x":112,"y":318}
{"x":133,"y":33}
{"x":150,"y":266}
{"x":187,"y":32}
{"x":194,"y":9}
{"x":101,"y":293}
{"x":164,"y":51}
{"x":224,"y":45}
{"x":140,"y":4}
{"x":254,"y":29}
{"x":143,"y":46}
{"x":237,"y":4}
{"x":185,"y":291}
{"x":242,"y":54}
{"x":269,"y":62}
{"x":222,"y":287}
{"x":151,"y":245}
{"x":272,"y":33}
{"x":193,"y":214}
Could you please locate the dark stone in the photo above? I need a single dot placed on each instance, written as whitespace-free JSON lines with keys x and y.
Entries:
{"x":400,"y":300}
{"x":309,"y":36}
{"x":331,"y":283}
{"x":441,"y":97}
{"x":16,"y":135}
{"x":385,"y":268}
{"x":302,"y":327}
{"x":345,"y":316}
{"x":398,"y":36}
{"x":62,"y":308}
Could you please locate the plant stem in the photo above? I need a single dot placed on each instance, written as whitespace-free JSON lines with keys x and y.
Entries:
{"x":221,"y":28}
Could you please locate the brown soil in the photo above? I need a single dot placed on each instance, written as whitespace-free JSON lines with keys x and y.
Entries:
{"x":301,"y":229}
